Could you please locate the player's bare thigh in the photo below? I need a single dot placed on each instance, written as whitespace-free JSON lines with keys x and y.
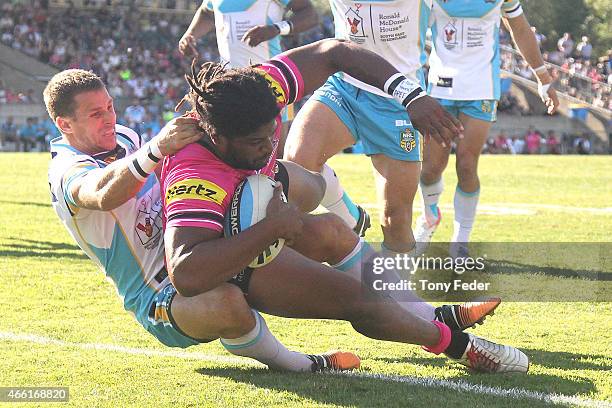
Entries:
{"x":220,"y":312}
{"x":316,"y":134}
{"x":396,"y":186}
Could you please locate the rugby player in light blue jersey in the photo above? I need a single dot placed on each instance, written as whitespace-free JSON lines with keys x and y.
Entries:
{"x":388,"y":124}
{"x":105,"y":194}
{"x":465,"y":78}
{"x":248,"y":32}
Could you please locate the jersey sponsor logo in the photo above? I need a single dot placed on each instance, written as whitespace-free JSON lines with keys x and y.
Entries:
{"x":407,"y":140}
{"x":195,"y":189}
{"x":355,"y":24}
{"x":275,"y":86}
{"x":402,"y":122}
{"x":445,"y":82}
{"x":450,"y":35}
{"x":148,"y":222}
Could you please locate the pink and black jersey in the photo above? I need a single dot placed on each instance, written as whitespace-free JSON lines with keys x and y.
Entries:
{"x":198,"y":185}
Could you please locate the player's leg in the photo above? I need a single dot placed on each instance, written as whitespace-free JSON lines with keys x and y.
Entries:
{"x":322,"y":128}
{"x":224,"y":313}
{"x":476,"y":124}
{"x":396,"y":186}
{"x":303,"y":188}
{"x":295,"y":286}
{"x":435,"y":160}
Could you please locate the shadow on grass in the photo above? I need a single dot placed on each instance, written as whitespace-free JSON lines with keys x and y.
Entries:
{"x":20,"y":248}
{"x":26,"y":203}
{"x":551,"y":359}
{"x":369,"y":392}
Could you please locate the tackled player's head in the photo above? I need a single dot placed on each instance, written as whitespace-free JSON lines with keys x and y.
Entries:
{"x":79,"y":104}
{"x":237,"y":109}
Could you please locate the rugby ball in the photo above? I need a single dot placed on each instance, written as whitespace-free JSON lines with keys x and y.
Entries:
{"x":247,"y":208}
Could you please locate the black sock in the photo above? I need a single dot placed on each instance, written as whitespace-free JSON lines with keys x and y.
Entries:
{"x":458,"y":344}
{"x":445,"y":315}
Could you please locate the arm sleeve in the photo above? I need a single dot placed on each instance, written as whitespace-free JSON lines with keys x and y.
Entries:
{"x":284,"y":79}
{"x":194,"y":198}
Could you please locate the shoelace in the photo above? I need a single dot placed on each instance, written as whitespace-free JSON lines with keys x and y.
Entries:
{"x":480,"y":358}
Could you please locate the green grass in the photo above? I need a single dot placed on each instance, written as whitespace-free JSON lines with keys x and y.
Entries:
{"x":50,"y":289}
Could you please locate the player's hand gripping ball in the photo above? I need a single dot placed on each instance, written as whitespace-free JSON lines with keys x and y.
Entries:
{"x":247,"y":208}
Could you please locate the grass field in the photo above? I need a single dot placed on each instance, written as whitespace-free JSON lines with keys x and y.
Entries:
{"x":63,"y":325}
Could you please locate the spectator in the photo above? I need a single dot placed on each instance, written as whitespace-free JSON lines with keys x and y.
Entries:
{"x":532,"y":141}
{"x":540,"y":38}
{"x":134,"y":114}
{"x":552,"y":143}
{"x":566,"y":44}
{"x":584,"y":48}
{"x":8,"y":133}
{"x":518,"y":145}
{"x":582,"y":145}
{"x":27,"y":134}
{"x":501,"y":143}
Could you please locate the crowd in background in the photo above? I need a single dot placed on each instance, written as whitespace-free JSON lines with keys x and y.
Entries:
{"x":136,"y":55}
{"x":580,"y":73}
{"x":535,"y":142}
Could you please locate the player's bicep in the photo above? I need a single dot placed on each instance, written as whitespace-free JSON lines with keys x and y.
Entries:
{"x":180,"y":243}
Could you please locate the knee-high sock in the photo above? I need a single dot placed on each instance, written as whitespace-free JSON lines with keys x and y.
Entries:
{"x":408,"y":300}
{"x":336,"y":200}
{"x":431,"y":196}
{"x":261,"y":345}
{"x":465,"y":213}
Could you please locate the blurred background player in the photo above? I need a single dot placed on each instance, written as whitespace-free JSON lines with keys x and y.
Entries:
{"x":248,"y":32}
{"x":105,"y":194}
{"x":345,"y":110}
{"x":464,"y":77}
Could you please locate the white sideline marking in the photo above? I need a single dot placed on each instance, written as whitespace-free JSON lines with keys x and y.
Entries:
{"x":463,"y":386}
{"x":515,"y":208}
{"x":455,"y":385}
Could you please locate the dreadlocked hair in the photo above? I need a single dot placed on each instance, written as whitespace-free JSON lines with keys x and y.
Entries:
{"x":230,"y":102}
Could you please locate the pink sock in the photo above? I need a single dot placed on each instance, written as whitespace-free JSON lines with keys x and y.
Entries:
{"x":445,"y":339}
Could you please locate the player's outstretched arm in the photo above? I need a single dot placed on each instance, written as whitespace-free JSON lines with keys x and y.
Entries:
{"x":527,"y":44}
{"x":321,"y":59}
{"x":200,"y":259}
{"x":304,"y":18}
{"x":203,"y":21}
{"x":108,"y":188}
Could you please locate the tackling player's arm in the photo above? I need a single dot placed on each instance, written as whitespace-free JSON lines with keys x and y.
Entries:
{"x":319,"y":60}
{"x":200,"y":259}
{"x":203,"y":21}
{"x":109,"y":187}
{"x":526,"y":42}
{"x":304,"y":17}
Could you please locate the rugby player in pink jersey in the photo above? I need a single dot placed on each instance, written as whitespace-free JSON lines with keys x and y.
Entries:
{"x":238,"y":113}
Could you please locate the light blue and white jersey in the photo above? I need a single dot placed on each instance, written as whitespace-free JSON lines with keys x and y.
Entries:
{"x":233,"y":18}
{"x":394,"y":29}
{"x":126,"y":243}
{"x":465,"y":61}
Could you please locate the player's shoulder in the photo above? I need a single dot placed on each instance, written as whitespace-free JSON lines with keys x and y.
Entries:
{"x":284,"y":77}
{"x":128,"y":136}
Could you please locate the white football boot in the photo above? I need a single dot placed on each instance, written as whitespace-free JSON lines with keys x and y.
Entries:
{"x":488,"y":357}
